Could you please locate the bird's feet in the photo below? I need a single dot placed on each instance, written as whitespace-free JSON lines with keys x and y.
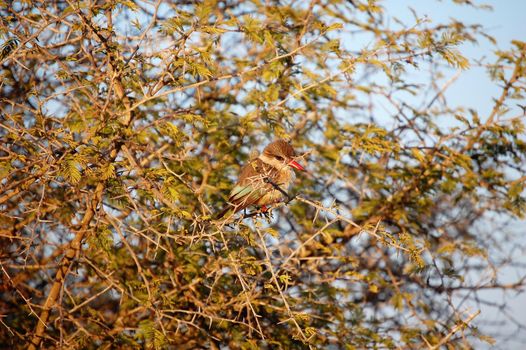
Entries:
{"x":265,"y":212}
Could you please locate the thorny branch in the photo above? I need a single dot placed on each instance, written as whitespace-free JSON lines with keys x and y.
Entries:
{"x":120,"y":137}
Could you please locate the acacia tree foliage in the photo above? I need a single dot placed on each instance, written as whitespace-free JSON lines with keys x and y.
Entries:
{"x":124,"y":124}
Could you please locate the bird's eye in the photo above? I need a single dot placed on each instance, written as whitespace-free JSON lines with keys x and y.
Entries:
{"x":279,"y":158}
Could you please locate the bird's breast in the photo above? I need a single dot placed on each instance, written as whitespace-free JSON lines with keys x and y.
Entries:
{"x":285,"y":178}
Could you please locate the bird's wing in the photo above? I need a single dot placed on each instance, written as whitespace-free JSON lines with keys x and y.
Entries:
{"x":251,"y":185}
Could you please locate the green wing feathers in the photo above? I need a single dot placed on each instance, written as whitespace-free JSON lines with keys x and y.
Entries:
{"x":249,"y":189}
{"x":241,"y":192}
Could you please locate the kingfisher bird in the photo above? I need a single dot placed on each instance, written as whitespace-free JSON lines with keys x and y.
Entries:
{"x":264,"y":180}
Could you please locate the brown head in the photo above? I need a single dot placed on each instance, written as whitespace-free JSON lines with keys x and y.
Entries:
{"x":280,"y":152}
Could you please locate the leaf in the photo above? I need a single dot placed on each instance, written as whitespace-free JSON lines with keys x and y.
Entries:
{"x":213,"y":30}
{"x":285,"y":278}
{"x":516,"y":189}
{"x":332,"y":46}
{"x":71,"y":170}
{"x":454,"y":58}
{"x":135,"y":22}
{"x":418,"y":154}
{"x":172,"y":25}
{"x":274,"y":233}
{"x":170,"y":191}
{"x":129,"y":4}
{"x":108,"y":171}
{"x":397,"y":301}
{"x":5,"y":169}
{"x":146,"y":329}
{"x":310,"y":331}
{"x":334,"y":26}
{"x":270,"y":286}
{"x":102,"y":239}
{"x":488,"y":339}
{"x":447,"y":248}
{"x":7,"y":47}
{"x":160,"y":340}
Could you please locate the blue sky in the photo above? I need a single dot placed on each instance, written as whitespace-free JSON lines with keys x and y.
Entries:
{"x":507,"y":21}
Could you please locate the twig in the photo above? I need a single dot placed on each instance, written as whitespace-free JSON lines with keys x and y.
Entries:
{"x":454,"y":330}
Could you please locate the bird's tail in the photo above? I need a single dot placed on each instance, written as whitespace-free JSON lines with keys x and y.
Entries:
{"x":224,"y":212}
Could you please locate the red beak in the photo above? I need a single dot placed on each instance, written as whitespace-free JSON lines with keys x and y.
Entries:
{"x":296,"y":165}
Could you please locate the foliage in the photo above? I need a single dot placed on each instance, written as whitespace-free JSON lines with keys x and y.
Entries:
{"x":124,"y":123}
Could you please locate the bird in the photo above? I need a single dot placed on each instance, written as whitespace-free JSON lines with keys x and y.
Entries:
{"x":263,"y":180}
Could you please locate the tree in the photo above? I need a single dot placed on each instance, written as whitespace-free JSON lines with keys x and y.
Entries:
{"x":124,"y":124}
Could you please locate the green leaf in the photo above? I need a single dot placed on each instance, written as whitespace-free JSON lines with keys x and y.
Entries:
{"x":334,"y":26}
{"x":7,"y":47}
{"x":71,"y":169}
{"x":108,"y":171}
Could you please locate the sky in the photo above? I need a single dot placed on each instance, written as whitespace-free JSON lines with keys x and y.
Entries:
{"x":507,"y":21}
